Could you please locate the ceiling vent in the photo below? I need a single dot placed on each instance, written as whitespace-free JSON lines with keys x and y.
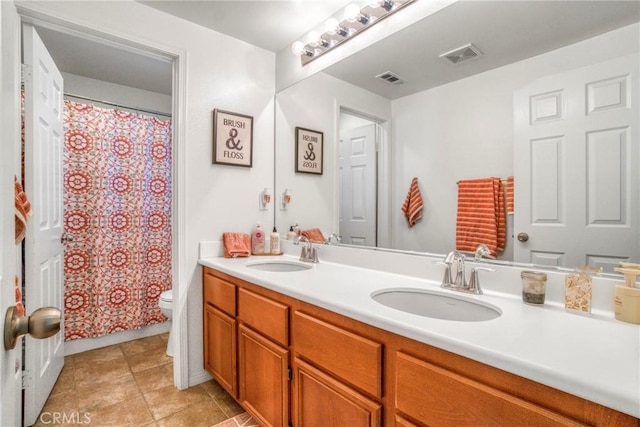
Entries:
{"x":463,"y":53}
{"x":391,"y":77}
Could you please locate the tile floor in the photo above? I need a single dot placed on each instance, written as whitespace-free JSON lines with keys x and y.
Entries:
{"x":131,"y":384}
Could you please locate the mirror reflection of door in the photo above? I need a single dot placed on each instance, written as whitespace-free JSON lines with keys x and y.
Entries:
{"x":357,"y":165}
{"x":576,"y":154}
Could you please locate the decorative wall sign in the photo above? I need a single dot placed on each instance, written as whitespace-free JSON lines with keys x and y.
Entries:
{"x":309,"y":147}
{"x":232,"y":138}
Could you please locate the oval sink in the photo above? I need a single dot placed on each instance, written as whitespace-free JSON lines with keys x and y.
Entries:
{"x":436,"y":305}
{"x":279,"y":266}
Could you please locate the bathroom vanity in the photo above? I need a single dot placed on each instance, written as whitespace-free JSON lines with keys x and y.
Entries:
{"x":312,"y":347}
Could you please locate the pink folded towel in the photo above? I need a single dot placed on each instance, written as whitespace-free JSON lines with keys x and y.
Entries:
{"x":236,"y":245}
{"x":22,"y":211}
{"x":412,"y":206}
{"x":314,"y":235}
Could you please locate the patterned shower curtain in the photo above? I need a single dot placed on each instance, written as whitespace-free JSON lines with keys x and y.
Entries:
{"x":117,"y":211}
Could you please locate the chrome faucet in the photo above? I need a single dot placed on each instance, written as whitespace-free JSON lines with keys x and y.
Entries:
{"x":460,"y":282}
{"x":331,"y":237}
{"x":309,"y":253}
{"x":482,"y":251}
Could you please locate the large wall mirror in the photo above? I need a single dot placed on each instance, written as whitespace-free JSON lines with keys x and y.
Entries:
{"x":547,"y":93}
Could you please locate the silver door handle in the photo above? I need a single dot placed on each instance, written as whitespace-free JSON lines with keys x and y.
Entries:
{"x":43,"y":323}
{"x":523,"y":237}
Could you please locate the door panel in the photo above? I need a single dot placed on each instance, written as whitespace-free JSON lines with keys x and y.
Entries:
{"x":577,"y":181}
{"x":43,"y":248}
{"x":358,"y":186}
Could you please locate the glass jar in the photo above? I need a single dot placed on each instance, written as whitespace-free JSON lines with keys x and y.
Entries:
{"x":533,"y":287}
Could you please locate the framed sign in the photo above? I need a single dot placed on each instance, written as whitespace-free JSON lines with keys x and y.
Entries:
{"x":309,"y":145}
{"x":232,"y":138}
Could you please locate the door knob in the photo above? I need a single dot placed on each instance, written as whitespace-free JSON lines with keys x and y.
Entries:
{"x":43,"y":323}
{"x":523,"y":237}
{"x":66,"y":238}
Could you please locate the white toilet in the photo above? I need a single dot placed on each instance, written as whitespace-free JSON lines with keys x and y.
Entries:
{"x":166,"y":306}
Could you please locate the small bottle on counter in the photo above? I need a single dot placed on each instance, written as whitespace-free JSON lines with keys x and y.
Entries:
{"x":291,"y":235}
{"x":533,"y":287}
{"x":257,"y":240}
{"x":626,"y":303}
{"x":274,"y":242}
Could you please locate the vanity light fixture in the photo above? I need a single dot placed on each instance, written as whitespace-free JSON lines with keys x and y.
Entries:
{"x":265,"y":199}
{"x":286,"y":199}
{"x":356,"y":19}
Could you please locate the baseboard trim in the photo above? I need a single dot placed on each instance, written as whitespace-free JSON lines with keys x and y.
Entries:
{"x":86,"y":344}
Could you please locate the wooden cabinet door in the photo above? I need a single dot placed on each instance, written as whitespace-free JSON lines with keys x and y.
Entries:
{"x":319,"y":400}
{"x":220,"y":343}
{"x":264,"y":383}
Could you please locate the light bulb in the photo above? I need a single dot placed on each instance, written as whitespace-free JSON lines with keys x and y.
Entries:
{"x":297,"y":48}
{"x":352,"y":12}
{"x":314,"y":38}
{"x":331,"y":25}
{"x":385,"y":4}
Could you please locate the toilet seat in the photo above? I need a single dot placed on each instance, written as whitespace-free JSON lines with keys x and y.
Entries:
{"x":167,"y":296}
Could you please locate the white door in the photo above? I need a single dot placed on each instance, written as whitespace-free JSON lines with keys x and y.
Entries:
{"x":43,"y":248}
{"x":577,"y":183}
{"x":358,"y":186}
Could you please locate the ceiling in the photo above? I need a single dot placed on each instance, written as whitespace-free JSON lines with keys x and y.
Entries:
{"x":504,"y":31}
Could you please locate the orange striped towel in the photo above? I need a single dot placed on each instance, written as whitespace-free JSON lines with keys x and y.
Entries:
{"x":22,"y":210}
{"x":314,"y":235}
{"x":509,"y":195}
{"x":412,"y":206}
{"x":236,"y":245}
{"x":481,"y":215}
{"x":18,"y":292}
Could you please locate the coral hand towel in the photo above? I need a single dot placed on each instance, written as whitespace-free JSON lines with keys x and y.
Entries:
{"x":412,"y":206}
{"x":236,"y":245}
{"x":23,"y":210}
{"x":481,"y":215}
{"x":314,"y":235}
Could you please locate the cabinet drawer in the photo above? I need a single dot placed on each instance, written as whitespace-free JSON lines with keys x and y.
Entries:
{"x":220,"y":293}
{"x":355,"y":359}
{"x":264,"y":315}
{"x":436,"y":396}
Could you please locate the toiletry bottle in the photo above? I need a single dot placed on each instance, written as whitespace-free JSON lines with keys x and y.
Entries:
{"x":626,"y":302}
{"x":274,"y":242}
{"x":257,"y":240}
{"x":291,"y":235}
{"x":296,"y":228}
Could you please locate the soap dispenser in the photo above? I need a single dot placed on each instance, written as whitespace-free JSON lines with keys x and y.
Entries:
{"x":291,"y":235}
{"x":627,"y":296}
{"x":274,"y":242}
{"x":257,"y":241}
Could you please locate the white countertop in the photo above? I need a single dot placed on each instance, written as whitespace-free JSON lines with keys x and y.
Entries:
{"x":596,"y":358}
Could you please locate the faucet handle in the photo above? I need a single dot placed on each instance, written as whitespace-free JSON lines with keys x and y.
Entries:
{"x":474,"y":280}
{"x":313,"y":256}
{"x":446,"y":278}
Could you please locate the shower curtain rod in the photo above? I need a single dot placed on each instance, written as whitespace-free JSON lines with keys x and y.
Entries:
{"x":142,"y":110}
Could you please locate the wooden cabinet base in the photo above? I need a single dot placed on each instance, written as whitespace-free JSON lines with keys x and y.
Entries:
{"x":348,"y":373}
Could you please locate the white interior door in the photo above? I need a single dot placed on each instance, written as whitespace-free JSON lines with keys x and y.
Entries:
{"x":577,"y":183}
{"x":358,"y":186}
{"x":43,"y":248}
